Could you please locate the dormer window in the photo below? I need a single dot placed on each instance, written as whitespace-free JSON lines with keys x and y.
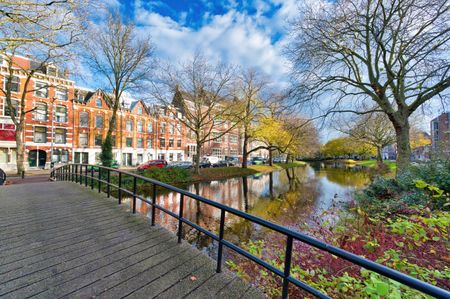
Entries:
{"x":139,"y":110}
{"x":51,"y":71}
{"x":98,"y":102}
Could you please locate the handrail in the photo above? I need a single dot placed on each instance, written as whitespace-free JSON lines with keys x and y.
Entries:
{"x":74,"y":172}
{"x":2,"y":177}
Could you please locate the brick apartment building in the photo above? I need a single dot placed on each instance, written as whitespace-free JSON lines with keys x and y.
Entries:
{"x":74,"y":122}
{"x":48,"y":122}
{"x":440,"y":134}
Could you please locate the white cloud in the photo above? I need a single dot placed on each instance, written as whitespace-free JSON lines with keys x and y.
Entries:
{"x":234,"y":37}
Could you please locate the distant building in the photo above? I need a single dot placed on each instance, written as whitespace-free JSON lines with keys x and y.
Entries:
{"x":389,"y":152}
{"x":440,"y":134}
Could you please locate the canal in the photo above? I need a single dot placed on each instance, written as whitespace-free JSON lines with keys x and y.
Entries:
{"x":293,"y":197}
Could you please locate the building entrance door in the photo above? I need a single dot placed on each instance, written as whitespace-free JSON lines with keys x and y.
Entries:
{"x":37,"y":158}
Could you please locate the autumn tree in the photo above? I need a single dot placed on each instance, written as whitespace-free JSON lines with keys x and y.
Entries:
{"x":349,"y":55}
{"x":374,"y":129}
{"x":45,"y":31}
{"x":346,"y":147}
{"x":123,"y":59}
{"x":201,"y":91}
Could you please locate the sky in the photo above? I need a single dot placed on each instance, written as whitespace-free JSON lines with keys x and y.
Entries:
{"x":248,"y":33}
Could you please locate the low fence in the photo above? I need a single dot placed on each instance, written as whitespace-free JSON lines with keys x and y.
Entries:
{"x":85,"y":174}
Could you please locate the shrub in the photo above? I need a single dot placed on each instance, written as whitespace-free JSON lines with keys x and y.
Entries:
{"x":168,"y":175}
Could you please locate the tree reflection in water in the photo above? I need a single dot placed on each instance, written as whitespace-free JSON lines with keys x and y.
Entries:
{"x":290,"y":197}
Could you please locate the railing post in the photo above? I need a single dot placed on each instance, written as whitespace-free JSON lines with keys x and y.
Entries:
{"x":99,"y":179}
{"x":120,"y":188}
{"x":81,"y":174}
{"x":134,"y":195}
{"x":287,"y":267}
{"x":76,"y":173}
{"x":180,"y":221}
{"x":92,"y":178}
{"x":220,"y":249}
{"x":108,"y":188}
{"x":153,"y":204}
{"x":71,"y":172}
{"x":86,"y":175}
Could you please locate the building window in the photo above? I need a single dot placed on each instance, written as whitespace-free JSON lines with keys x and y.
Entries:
{"x":98,"y":140}
{"x":61,"y":93}
{"x":40,"y":134}
{"x":149,"y":143}
{"x":41,"y":89}
{"x":98,"y":102}
{"x":217,"y":152}
{"x":170,"y":142}
{"x":61,"y":114}
{"x":150,"y":127}
{"x":233,"y":139}
{"x":60,"y":136}
{"x":139,"y":110}
{"x":171,"y":157}
{"x":178,"y":129}
{"x":64,"y":156}
{"x":99,"y":121}
{"x":15,"y":107}
{"x":162,"y":128}
{"x":84,"y":119}
{"x":40,"y":111}
{"x":140,"y":126}
{"x":15,"y":84}
{"x":162,"y":142}
{"x":51,"y":71}
{"x":140,"y":143}
{"x":171,"y":129}
{"x":83,"y":139}
{"x":129,"y":141}
{"x":216,"y":137}
{"x":179,"y":157}
{"x":179,"y":143}
{"x":129,"y":125}
{"x":140,"y":158}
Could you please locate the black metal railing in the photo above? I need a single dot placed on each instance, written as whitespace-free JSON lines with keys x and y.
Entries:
{"x":2,"y":177}
{"x":80,"y":173}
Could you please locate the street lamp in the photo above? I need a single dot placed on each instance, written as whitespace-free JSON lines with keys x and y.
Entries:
{"x":53,"y":133}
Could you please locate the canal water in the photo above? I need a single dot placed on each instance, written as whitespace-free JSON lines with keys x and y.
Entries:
{"x":291,"y":197}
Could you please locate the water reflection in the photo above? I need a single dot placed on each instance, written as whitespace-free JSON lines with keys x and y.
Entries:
{"x":288,"y":197}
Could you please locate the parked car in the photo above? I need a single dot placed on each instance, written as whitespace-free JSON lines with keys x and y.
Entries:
{"x":211,"y":159}
{"x":181,"y":164}
{"x":204,"y":163}
{"x":153,"y":164}
{"x":278,"y":160}
{"x":233,"y":161}
{"x":257,"y":161}
{"x":221,"y":163}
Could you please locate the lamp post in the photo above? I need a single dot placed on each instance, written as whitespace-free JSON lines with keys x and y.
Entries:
{"x":53,"y":133}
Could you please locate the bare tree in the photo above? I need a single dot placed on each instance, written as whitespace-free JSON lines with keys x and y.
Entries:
{"x":354,"y":54}
{"x":250,"y":104}
{"x":124,"y":60}
{"x":43,"y":30}
{"x":201,"y":91}
{"x":375,"y":129}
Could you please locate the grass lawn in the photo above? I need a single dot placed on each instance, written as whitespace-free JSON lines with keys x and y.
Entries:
{"x":211,"y":174}
{"x":392,"y":165}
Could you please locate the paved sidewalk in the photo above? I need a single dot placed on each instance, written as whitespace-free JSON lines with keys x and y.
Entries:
{"x":59,"y":239}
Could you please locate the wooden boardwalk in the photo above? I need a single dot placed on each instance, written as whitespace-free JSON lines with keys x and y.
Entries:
{"x":60,"y":240}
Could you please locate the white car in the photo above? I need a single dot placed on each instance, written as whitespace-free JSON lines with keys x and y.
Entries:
{"x":212,"y":159}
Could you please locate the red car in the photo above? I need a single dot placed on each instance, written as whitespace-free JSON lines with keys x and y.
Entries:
{"x":153,"y":163}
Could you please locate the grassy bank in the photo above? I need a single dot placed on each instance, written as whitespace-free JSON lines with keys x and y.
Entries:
{"x":392,"y":165}
{"x":212,"y":174}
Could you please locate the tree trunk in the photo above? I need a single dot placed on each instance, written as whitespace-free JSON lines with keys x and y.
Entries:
{"x":270,"y":157}
{"x":244,"y":152}
{"x":379,"y":155}
{"x":20,"y":150}
{"x":403,"y":146}
{"x":197,"y":158}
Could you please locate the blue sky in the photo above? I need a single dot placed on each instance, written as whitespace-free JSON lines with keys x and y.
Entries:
{"x":247,"y":33}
